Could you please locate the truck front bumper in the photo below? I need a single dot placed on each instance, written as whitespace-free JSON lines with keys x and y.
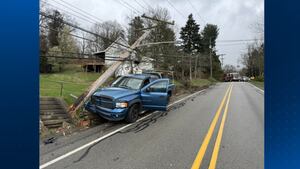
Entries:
{"x":115,"y":114}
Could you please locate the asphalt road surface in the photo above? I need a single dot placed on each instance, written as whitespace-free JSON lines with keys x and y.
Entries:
{"x":221,"y":127}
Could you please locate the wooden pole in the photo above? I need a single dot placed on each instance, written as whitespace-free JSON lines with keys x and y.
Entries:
{"x":108,"y":73}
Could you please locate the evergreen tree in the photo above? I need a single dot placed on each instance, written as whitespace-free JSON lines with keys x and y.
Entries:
{"x":134,"y":30}
{"x":190,"y":35}
{"x":163,"y":54}
{"x":209,"y":36}
{"x":191,"y":42}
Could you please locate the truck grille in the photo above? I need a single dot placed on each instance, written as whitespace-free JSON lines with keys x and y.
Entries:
{"x":103,"y":101}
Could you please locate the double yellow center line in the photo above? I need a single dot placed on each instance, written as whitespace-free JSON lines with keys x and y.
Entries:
{"x":202,"y":150}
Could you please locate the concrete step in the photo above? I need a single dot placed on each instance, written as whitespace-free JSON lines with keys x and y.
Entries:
{"x":54,"y":117}
{"x":45,"y":102}
{"x":53,"y":112}
{"x":56,"y":121}
{"x":51,"y":106}
{"x":48,"y":98}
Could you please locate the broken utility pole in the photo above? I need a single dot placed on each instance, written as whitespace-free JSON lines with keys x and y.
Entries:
{"x":110,"y":71}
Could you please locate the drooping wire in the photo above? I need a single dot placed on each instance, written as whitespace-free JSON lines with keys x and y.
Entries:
{"x":82,"y":11}
{"x":180,"y":13}
{"x":192,"y":5}
{"x":69,"y":13}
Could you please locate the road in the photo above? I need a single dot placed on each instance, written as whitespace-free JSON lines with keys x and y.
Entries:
{"x":222,"y":127}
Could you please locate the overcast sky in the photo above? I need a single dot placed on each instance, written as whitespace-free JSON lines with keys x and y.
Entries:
{"x":233,"y":17}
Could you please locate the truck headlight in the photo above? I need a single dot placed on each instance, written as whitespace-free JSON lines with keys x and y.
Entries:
{"x":121,"y":104}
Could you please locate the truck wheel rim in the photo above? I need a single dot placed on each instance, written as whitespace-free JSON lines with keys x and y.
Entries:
{"x":134,"y":113}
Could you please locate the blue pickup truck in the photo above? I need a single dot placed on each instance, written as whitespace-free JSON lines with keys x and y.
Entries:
{"x":129,"y":95}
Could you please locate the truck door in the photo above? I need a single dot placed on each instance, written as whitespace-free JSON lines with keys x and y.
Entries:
{"x":155,"y":95}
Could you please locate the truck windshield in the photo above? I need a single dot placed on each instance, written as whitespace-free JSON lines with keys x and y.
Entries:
{"x":128,"y":83}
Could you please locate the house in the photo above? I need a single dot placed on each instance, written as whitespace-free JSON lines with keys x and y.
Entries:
{"x":113,"y":52}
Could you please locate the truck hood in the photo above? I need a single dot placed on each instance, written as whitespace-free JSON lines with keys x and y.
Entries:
{"x":115,"y":92}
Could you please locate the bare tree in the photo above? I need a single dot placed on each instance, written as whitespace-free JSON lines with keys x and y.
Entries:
{"x":258,"y":27}
{"x":109,"y":31}
{"x":83,"y":43}
{"x":229,"y":69}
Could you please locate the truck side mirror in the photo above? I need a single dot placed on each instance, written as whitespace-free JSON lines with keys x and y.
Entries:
{"x":147,"y":89}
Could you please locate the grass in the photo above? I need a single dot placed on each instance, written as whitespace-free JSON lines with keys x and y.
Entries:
{"x":183,"y":86}
{"x":178,"y":84}
{"x":202,"y":82}
{"x":258,"y":84}
{"x":74,"y":82}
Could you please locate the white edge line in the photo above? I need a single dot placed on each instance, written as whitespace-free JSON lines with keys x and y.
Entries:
{"x":257,"y":87}
{"x":108,"y":135}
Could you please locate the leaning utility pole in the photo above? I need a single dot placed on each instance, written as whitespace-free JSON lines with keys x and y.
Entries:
{"x":110,"y":71}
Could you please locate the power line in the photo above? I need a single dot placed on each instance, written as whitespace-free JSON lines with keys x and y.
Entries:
{"x":175,"y":8}
{"x":238,"y":40}
{"x":146,"y":3}
{"x":82,"y":10}
{"x":80,"y":37}
{"x":234,"y":44}
{"x":196,"y":10}
{"x":80,"y":58}
{"x":76,"y":36}
{"x":84,"y":30}
{"x":140,"y":5}
{"x":67,"y":12}
{"x":225,"y":41}
{"x":76,"y":11}
{"x":128,"y":7}
{"x":82,"y":54}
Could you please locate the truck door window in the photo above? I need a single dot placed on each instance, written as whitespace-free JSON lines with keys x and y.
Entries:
{"x":159,"y":87}
{"x":147,"y":81}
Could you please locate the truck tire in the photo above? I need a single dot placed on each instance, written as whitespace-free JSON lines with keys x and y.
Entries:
{"x":169,"y":96}
{"x":133,"y":113}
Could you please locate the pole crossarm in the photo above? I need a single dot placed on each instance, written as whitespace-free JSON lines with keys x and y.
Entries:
{"x":158,"y":20}
{"x":156,"y":43}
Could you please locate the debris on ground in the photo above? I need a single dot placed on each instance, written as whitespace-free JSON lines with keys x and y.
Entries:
{"x":43,"y":128}
{"x":49,"y":140}
{"x":65,"y":129}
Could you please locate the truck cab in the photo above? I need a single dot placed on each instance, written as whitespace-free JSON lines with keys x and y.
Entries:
{"x":129,"y":95}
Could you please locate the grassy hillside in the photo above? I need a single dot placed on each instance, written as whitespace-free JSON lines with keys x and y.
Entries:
{"x":74,"y":83}
{"x":258,"y":84}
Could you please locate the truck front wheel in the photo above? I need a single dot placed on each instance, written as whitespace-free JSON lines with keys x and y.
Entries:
{"x":133,"y":113}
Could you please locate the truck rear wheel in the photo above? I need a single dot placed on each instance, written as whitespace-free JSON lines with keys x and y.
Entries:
{"x":169,"y":96}
{"x":133,"y":113}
